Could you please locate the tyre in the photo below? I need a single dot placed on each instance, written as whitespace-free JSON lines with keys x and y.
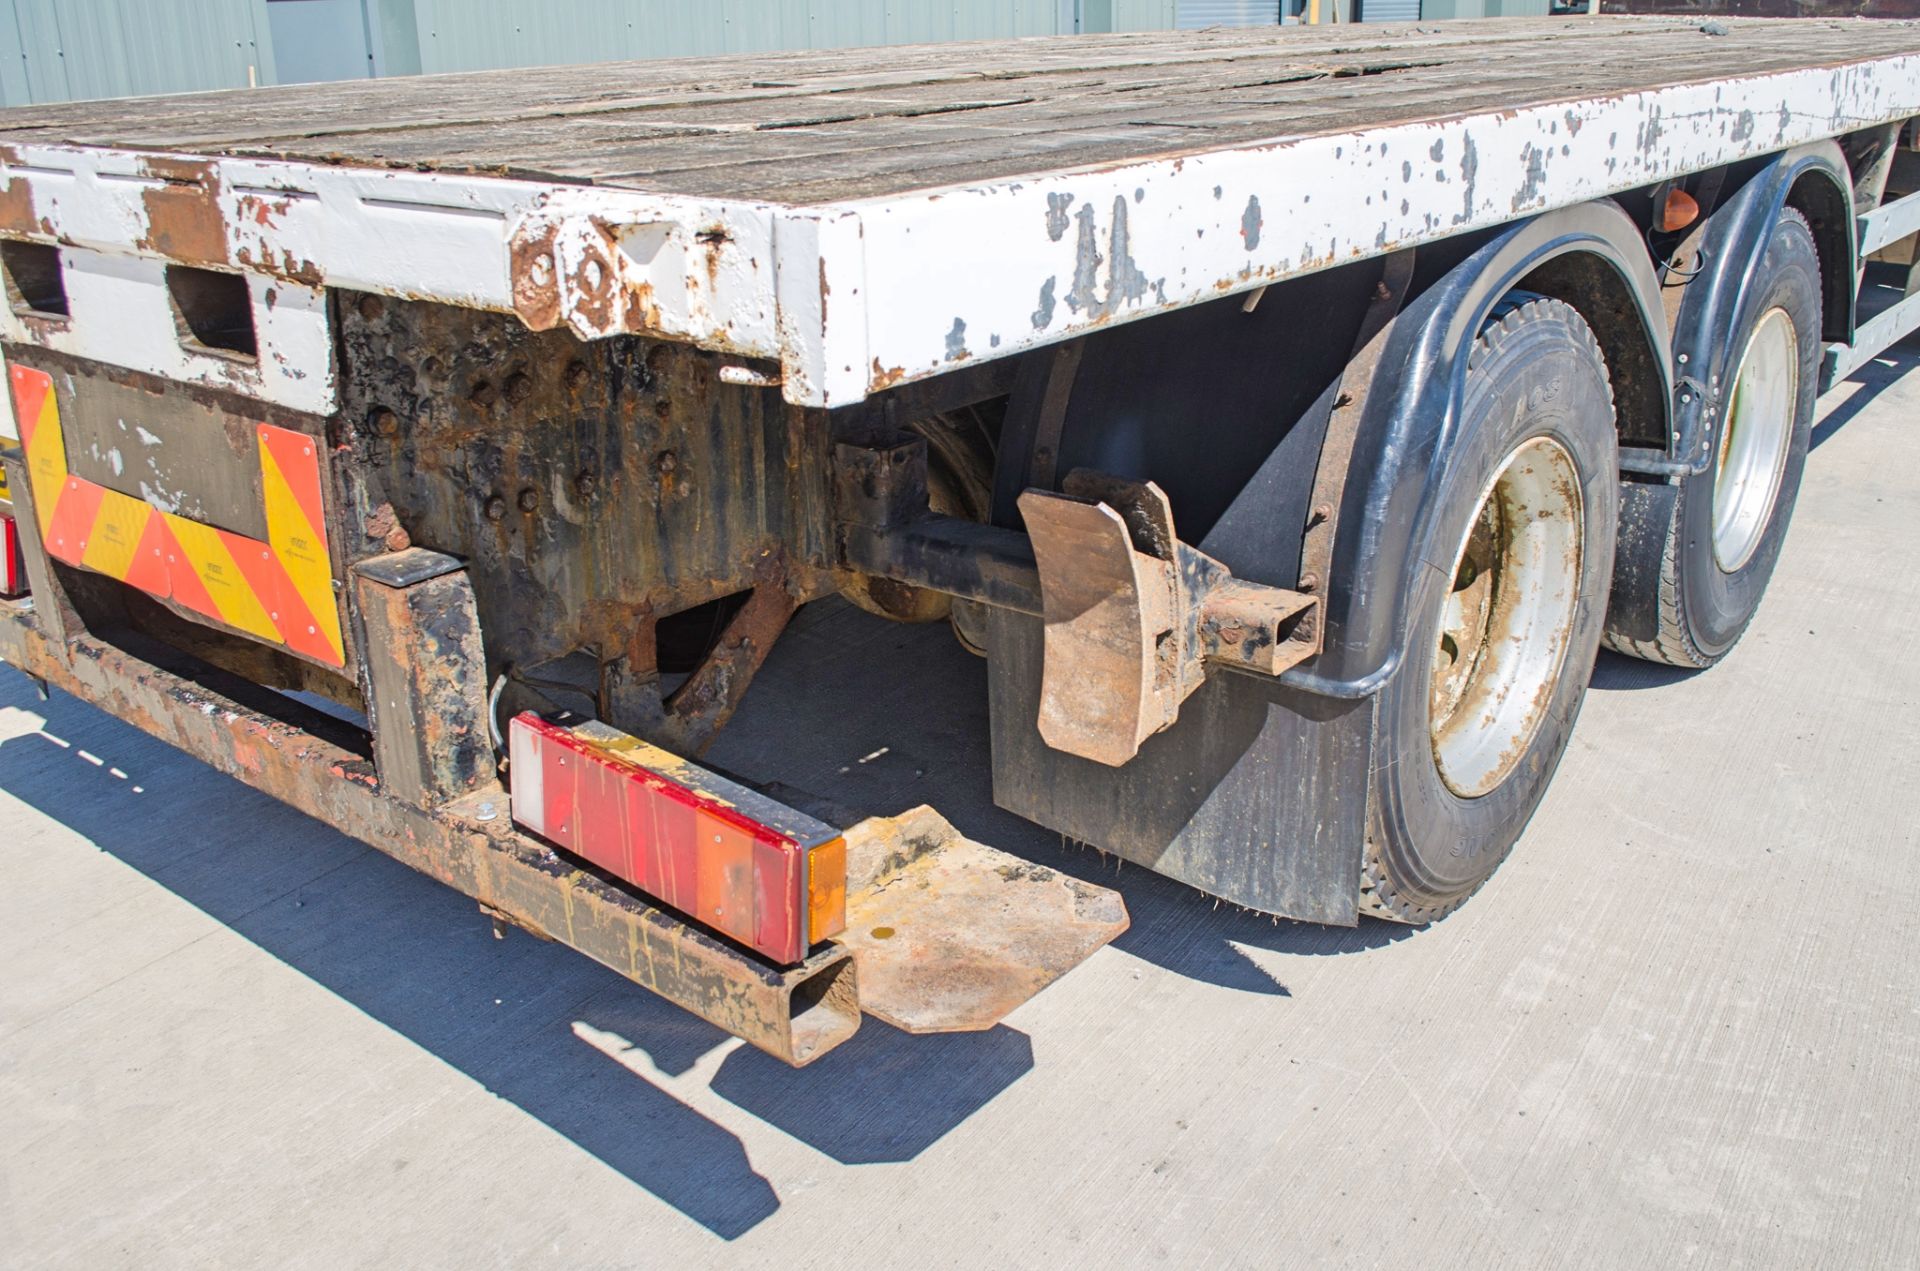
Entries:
{"x":1694,"y":559}
{"x":1503,"y":630}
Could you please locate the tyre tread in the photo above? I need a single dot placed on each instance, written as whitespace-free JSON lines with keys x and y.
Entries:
{"x":1673,"y":644}
{"x":1379,"y":898}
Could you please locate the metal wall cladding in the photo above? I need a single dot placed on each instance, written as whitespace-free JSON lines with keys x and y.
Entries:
{"x":459,"y":35}
{"x":59,"y":50}
{"x":1195,"y":14}
{"x":56,"y":50}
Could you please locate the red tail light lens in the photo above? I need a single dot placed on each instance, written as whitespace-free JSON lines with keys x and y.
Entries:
{"x":13,"y":566}
{"x":748,"y":866}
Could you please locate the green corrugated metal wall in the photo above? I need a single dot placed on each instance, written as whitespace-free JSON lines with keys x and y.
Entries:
{"x":54,"y":50}
{"x":468,"y":34}
{"x":458,"y":35}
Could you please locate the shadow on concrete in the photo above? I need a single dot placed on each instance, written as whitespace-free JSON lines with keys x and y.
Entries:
{"x":896,"y":716}
{"x":1614,"y":672}
{"x":1874,"y":378}
{"x":884,"y":1097}
{"x":421,"y":959}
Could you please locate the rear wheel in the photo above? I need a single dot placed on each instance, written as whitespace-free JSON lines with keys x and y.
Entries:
{"x":1506,"y":622}
{"x":1694,"y":560}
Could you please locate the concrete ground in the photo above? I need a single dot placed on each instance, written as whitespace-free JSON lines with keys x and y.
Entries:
{"x":1680,"y":1027}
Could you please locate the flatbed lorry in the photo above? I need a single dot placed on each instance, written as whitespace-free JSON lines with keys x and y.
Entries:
{"x":1287,"y":416}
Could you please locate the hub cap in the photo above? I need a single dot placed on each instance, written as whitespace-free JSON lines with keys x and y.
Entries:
{"x":1756,"y":440}
{"x":1507,"y":619}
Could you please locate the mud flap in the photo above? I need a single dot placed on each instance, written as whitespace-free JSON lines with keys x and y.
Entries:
{"x":1257,"y":793}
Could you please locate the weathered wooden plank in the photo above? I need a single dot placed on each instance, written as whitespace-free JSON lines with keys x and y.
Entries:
{"x":1083,"y":117}
{"x":847,"y":123}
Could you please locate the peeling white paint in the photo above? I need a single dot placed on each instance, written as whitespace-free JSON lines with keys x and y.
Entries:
{"x":857,"y":296}
{"x":122,"y":314}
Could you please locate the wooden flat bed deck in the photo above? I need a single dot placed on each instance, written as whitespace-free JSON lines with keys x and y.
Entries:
{"x":863,"y":218}
{"x":827,"y":126}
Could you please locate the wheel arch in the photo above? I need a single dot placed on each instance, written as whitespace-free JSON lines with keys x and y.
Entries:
{"x":1407,"y":425}
{"x":1821,"y":191}
{"x":1614,"y":300}
{"x":1812,"y":180}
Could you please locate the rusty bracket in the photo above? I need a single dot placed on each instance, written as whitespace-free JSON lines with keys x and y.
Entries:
{"x":1348,"y":405}
{"x":1133,"y":616}
{"x":426,"y":688}
{"x":687,"y":719}
{"x":950,"y":935}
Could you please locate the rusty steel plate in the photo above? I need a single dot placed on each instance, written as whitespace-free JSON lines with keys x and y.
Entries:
{"x":950,"y":935}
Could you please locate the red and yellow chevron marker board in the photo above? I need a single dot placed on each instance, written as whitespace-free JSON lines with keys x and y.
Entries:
{"x":280,"y":590}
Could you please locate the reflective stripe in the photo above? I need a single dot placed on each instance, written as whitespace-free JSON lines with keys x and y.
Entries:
{"x":745,"y":865}
{"x":279,"y":591}
{"x":529,"y":782}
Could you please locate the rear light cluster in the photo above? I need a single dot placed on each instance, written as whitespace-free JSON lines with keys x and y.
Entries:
{"x":13,"y":565}
{"x":745,"y":865}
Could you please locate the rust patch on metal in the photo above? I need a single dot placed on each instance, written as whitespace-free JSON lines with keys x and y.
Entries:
{"x":594,"y":283}
{"x":536,"y":285}
{"x":951,"y":935}
{"x":16,"y":199}
{"x":183,"y":212}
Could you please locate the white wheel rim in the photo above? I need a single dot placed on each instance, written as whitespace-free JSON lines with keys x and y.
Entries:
{"x":1755,"y":440}
{"x":1508,"y":618}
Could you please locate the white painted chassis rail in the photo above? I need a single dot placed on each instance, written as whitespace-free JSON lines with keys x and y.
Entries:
{"x":852,"y":298}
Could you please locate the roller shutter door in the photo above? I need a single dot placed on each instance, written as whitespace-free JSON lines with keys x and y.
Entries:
{"x":1200,"y":13}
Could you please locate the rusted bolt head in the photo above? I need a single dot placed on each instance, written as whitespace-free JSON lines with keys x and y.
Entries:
{"x":496,"y":508}
{"x":585,"y":484}
{"x":1322,"y":513}
{"x":1309,"y":581}
{"x":666,"y":461}
{"x":529,"y":499}
{"x":576,"y":375}
{"x":519,"y":387}
{"x":1232,"y":633}
{"x":372,"y":308}
{"x":383,"y":421}
{"x":483,"y":395}
{"x":398,"y":540}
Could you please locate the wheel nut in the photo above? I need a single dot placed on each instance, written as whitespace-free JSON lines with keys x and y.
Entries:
{"x":529,"y":499}
{"x":496,"y":508}
{"x":519,"y":387}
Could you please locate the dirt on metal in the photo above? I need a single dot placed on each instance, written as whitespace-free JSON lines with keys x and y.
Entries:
{"x":951,"y":935}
